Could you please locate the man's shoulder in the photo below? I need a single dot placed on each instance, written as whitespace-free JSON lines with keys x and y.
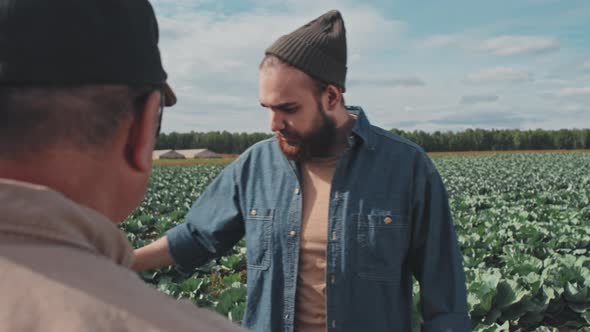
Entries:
{"x":395,"y":141}
{"x":265,"y":150}
{"x":90,"y":292}
{"x":264,"y":146}
{"x":403,"y":149}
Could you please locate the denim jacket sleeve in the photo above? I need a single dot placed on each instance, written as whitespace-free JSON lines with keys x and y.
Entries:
{"x":436,"y":259}
{"x":213,"y":225}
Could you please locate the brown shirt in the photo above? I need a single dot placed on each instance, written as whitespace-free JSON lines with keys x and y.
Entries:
{"x":310,"y":300}
{"x":65,"y":267}
{"x":311,"y":280}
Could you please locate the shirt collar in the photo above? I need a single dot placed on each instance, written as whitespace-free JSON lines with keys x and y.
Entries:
{"x":362,"y":126}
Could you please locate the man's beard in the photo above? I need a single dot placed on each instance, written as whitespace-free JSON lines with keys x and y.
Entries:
{"x":316,"y":144}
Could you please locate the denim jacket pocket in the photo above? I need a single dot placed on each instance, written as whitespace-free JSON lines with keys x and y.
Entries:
{"x":382,"y":243}
{"x":259,"y":238}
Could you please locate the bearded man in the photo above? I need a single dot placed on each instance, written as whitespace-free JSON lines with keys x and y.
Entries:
{"x":338,"y":215}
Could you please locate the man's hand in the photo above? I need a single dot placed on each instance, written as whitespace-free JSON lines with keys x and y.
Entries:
{"x":154,"y":255}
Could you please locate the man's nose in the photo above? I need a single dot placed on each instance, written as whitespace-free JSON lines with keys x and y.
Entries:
{"x":277,"y":122}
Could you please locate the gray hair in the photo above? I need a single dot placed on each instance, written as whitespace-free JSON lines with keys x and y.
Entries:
{"x":33,"y":118}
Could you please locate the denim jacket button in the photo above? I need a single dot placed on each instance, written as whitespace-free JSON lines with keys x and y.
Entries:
{"x":253,"y":212}
{"x":388,"y":220}
{"x":292,"y":233}
{"x":297,"y":191}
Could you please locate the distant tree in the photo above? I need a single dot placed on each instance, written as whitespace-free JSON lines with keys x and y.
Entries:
{"x":468,"y":140}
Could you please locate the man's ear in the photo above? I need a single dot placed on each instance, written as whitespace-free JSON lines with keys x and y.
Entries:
{"x":142,"y":134}
{"x":334,"y":97}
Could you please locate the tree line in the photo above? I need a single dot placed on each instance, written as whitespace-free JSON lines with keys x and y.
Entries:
{"x":467,"y":140}
{"x":500,"y":140}
{"x":216,"y":141}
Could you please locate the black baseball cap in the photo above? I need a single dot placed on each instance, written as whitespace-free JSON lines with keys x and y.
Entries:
{"x":71,"y":42}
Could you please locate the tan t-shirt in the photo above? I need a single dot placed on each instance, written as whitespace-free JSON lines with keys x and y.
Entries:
{"x":65,"y":267}
{"x":310,"y":300}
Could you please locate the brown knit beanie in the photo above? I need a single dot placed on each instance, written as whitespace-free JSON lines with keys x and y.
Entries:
{"x":317,"y":48}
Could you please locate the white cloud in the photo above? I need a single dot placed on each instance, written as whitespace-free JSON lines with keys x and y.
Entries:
{"x":499,"y":46}
{"x":479,"y":98}
{"x":560,"y":97}
{"x":551,"y":81}
{"x":211,"y":52}
{"x":570,"y":70}
{"x":222,"y":103}
{"x":212,"y":58}
{"x":440,"y":41}
{"x":516,"y":45}
{"x":574,"y":108}
{"x":408,"y":109}
{"x":574,"y":92}
{"x":206,"y":42}
{"x":484,"y":119}
{"x":388,"y":82}
{"x":498,"y":75}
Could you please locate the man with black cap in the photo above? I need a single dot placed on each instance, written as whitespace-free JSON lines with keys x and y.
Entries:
{"x":338,"y":214}
{"x":82,"y":91}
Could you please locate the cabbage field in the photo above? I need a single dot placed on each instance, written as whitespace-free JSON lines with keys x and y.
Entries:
{"x":523,"y":222}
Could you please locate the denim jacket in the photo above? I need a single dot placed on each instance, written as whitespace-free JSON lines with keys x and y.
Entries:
{"x":389,"y":220}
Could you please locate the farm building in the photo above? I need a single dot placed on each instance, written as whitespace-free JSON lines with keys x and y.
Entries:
{"x":184,"y":154}
{"x":158,"y":153}
{"x":198,"y":153}
{"x":167,"y":154}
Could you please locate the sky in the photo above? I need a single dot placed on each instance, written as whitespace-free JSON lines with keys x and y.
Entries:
{"x":414,"y":65}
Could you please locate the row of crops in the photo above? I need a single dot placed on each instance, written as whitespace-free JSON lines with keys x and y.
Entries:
{"x":523,"y":222}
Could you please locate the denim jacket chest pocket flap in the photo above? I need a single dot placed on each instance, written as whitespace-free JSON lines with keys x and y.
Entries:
{"x":382,"y":243}
{"x":259,"y":223}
